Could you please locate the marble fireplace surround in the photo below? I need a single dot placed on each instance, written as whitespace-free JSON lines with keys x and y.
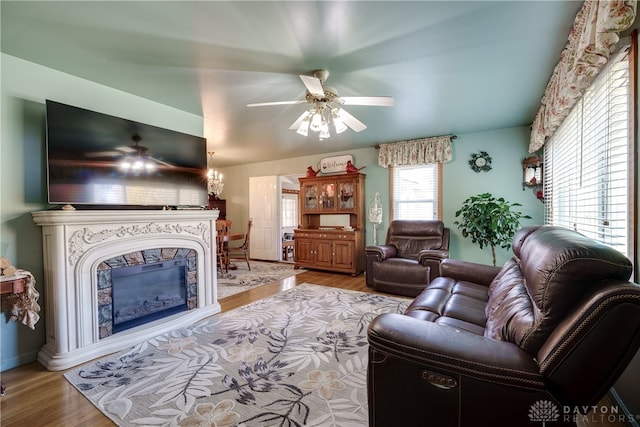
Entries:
{"x":74,"y":245}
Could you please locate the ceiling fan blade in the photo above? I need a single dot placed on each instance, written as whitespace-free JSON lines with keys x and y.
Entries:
{"x":103,"y":154}
{"x":264,"y":104}
{"x":376,"y":101}
{"x":351,"y":121}
{"x":127,"y":149}
{"x":162,"y":162}
{"x":313,"y":85}
{"x":299,"y":120}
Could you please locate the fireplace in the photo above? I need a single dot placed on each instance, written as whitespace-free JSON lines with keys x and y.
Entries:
{"x":94,"y":259}
{"x":144,"y":286}
{"x":143,"y":293}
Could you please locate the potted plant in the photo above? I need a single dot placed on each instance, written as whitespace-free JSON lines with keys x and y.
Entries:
{"x":489,"y":221}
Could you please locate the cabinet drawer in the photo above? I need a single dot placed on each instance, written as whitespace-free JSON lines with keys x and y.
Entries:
{"x":325,"y":235}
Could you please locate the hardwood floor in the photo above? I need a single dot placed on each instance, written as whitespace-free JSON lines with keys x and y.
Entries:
{"x":37,"y":397}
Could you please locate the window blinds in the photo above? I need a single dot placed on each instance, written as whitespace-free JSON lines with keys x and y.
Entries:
{"x":587,"y":161}
{"x":415,"y":192}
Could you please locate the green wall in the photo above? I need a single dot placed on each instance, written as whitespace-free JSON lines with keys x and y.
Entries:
{"x":507,"y":148}
{"x":25,"y":87}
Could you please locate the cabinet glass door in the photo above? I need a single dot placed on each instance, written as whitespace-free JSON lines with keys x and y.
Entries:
{"x":328,"y":196}
{"x":310,"y":195}
{"x":346,"y":195}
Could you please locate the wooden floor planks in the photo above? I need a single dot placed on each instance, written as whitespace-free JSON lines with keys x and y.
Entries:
{"x":37,"y":397}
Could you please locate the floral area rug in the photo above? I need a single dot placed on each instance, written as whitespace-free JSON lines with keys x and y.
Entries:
{"x":296,"y":358}
{"x":241,"y":279}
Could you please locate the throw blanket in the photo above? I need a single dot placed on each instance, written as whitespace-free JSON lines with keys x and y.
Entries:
{"x":24,"y":306}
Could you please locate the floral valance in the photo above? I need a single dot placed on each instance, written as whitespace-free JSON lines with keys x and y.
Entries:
{"x":592,"y":39}
{"x":421,"y":151}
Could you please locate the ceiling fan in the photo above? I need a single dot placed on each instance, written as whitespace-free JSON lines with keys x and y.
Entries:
{"x":133,"y":157}
{"x":326,"y":112}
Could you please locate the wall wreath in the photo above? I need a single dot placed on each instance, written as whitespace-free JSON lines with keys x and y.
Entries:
{"x":480,"y":162}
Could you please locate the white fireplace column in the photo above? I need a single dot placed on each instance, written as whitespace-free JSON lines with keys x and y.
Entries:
{"x":76,"y":242}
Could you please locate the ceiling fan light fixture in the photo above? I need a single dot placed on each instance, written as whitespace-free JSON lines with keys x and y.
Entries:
{"x":303,"y":129}
{"x":316,"y":122}
{"x":326,"y":108}
{"x":338,"y":123}
{"x":324,"y":133}
{"x":324,"y":127}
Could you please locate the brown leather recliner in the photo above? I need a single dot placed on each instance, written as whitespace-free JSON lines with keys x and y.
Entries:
{"x":410,"y":257}
{"x":536,"y":342}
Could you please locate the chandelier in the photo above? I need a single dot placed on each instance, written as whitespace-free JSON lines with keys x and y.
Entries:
{"x":214,"y":179}
{"x":323,"y":119}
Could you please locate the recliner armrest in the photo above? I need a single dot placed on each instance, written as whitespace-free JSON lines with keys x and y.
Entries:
{"x":446,"y":348}
{"x":432,"y":255}
{"x":481,"y":274}
{"x":383,"y":251}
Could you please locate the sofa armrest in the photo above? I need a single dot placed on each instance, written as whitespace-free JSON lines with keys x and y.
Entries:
{"x":382,"y":251}
{"x":446,"y":348}
{"x":481,"y":274}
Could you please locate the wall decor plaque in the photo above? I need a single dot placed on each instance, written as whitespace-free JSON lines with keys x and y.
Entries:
{"x":335,"y":164}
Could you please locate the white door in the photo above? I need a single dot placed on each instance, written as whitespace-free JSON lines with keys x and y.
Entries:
{"x":264,"y":210}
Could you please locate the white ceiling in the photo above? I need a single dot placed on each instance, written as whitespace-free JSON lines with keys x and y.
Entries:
{"x":452,"y":66}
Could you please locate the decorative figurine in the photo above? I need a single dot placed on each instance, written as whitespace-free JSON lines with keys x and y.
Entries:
{"x":311,"y":172}
{"x":351,"y":168}
{"x":375,"y":215}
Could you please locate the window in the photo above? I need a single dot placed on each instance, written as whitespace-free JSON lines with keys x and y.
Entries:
{"x":588,"y":162}
{"x":415,"y":192}
{"x":289,"y":210}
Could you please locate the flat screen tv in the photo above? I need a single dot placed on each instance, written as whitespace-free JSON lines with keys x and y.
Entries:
{"x":95,"y":159}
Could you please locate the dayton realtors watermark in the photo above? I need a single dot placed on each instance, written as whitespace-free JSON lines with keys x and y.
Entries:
{"x":546,"y":411}
{"x":596,"y":414}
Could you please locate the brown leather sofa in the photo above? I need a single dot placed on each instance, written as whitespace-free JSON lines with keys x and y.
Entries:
{"x":536,"y":342}
{"x":410,"y":257}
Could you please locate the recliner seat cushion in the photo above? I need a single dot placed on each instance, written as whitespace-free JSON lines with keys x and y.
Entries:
{"x":394,"y":270}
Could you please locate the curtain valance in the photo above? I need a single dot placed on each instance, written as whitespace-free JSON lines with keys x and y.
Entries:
{"x":592,"y":39}
{"x":413,"y":152}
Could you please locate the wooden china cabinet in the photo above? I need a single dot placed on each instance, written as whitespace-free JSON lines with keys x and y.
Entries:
{"x":334,"y":248}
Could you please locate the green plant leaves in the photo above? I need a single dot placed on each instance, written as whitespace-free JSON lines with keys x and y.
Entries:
{"x":489,"y":221}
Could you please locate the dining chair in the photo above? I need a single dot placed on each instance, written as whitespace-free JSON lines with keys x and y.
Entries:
{"x":222,"y":228}
{"x":223,"y":224}
{"x":242,"y":252}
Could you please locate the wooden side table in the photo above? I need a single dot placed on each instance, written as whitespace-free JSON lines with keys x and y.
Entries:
{"x":10,"y":285}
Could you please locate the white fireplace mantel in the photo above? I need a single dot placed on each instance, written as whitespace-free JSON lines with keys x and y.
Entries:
{"x":74,"y":245}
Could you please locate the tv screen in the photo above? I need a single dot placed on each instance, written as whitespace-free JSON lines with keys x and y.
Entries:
{"x":103,"y":160}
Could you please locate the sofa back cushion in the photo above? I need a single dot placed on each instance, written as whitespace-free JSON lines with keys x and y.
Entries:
{"x":559,"y":267}
{"x":509,"y":310}
{"x":409,"y":237}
